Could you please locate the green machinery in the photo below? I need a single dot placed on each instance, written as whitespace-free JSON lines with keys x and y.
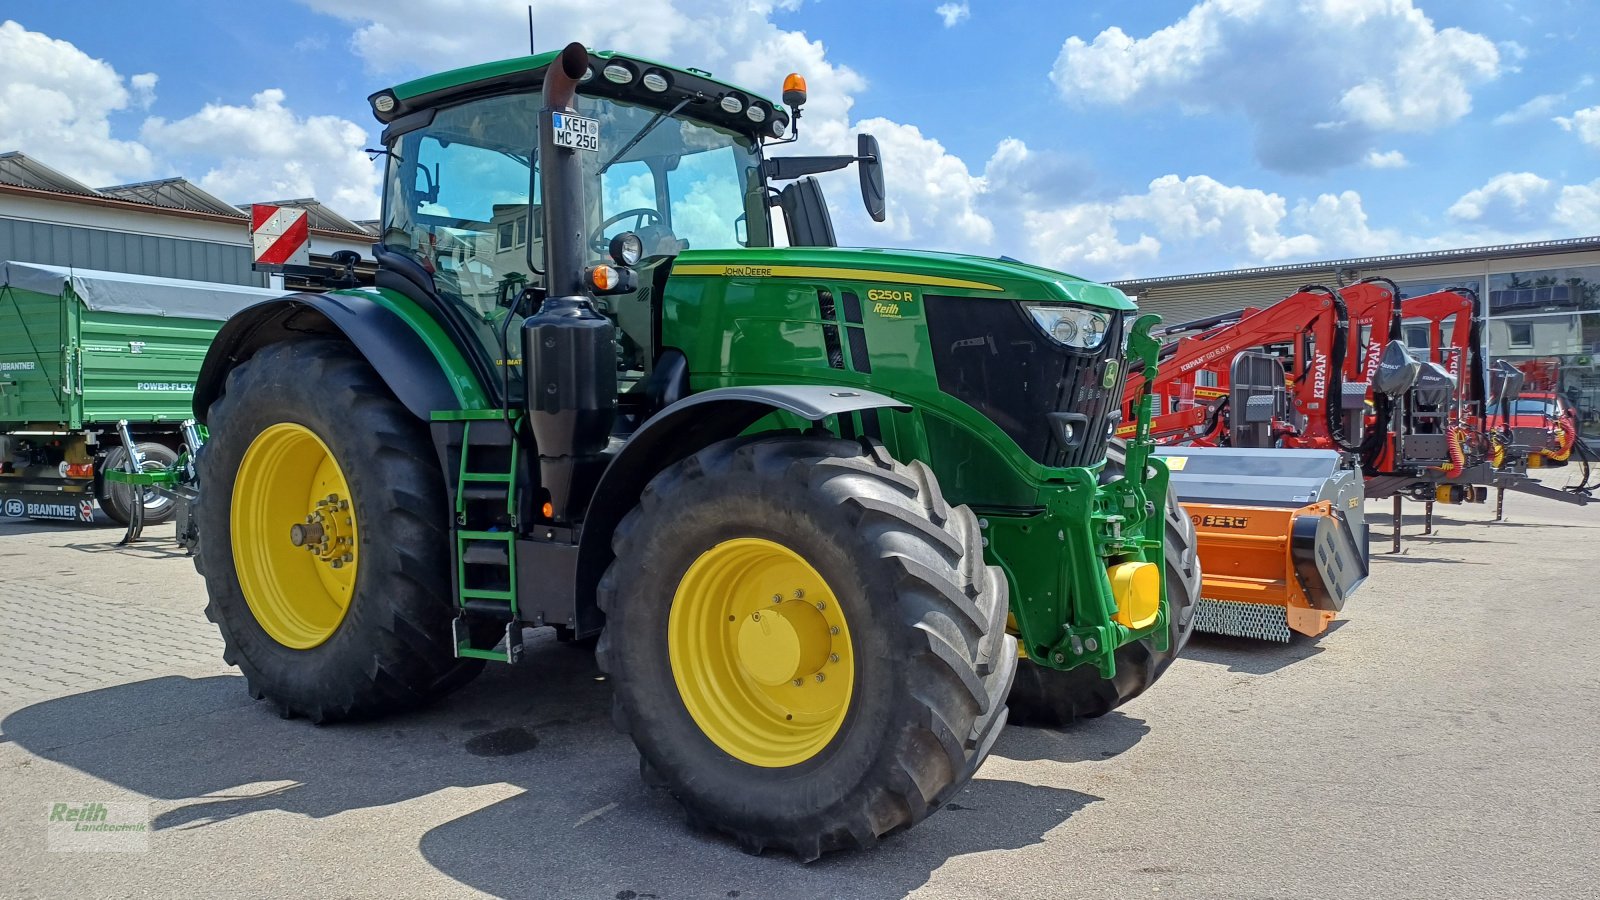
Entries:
{"x":97,"y":371}
{"x":818,"y":507}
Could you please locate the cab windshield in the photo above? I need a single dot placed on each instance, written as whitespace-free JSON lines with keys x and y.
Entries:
{"x":462,"y":197}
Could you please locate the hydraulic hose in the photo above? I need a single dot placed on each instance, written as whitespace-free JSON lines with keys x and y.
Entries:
{"x":1456,"y":443}
{"x":1333,"y":400}
{"x":1566,"y":436}
{"x":1372,"y":444}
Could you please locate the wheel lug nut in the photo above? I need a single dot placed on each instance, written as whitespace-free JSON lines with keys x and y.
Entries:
{"x":777,"y":598}
{"x":349,"y":557}
{"x":833,"y":630}
{"x":798,"y":682}
{"x":338,"y":564}
{"x":833,"y":657}
{"x":821,"y":605}
{"x":799,"y":594}
{"x":821,"y":677}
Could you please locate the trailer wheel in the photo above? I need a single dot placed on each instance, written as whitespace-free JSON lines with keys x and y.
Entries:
{"x":805,"y":644}
{"x":116,"y":500}
{"x":324,"y":538}
{"x":1051,"y":698}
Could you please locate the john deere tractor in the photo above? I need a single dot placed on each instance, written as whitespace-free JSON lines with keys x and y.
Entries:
{"x":816,"y":505}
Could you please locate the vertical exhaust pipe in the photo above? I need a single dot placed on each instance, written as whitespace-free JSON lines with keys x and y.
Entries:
{"x":569,"y":357}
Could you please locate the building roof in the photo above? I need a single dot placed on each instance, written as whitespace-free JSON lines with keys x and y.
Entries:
{"x":1498,"y":251}
{"x":321,"y":217}
{"x":172,"y":193}
{"x":21,"y":174}
{"x":21,"y":170}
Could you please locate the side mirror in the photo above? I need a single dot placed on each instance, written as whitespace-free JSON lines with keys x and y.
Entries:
{"x":870,"y":164}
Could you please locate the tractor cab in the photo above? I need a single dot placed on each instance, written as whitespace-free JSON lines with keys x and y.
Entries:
{"x":667,"y":160}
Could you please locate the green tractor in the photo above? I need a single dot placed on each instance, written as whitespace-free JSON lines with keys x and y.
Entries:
{"x":816,"y":505}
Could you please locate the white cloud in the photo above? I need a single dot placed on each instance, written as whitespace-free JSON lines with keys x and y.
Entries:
{"x":1194,"y":222}
{"x":953,"y":13}
{"x":1389,"y":159}
{"x":1507,"y":198}
{"x":1540,"y":106}
{"x":1317,"y":79}
{"x":144,"y":88}
{"x":1340,"y":224}
{"x":1534,"y":108}
{"x":1578,"y":208}
{"x":55,"y":105}
{"x":1586,"y":122}
{"x":265,"y":151}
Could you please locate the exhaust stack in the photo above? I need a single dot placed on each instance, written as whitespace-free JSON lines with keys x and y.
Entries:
{"x":569,"y":352}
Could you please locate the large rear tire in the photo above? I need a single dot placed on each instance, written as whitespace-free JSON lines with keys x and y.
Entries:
{"x":354,"y":621}
{"x":1050,"y":698}
{"x":805,"y":644}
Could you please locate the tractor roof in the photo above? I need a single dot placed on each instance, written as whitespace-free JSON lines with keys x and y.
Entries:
{"x":528,"y":72}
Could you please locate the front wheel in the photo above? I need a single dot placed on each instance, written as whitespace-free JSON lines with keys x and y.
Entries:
{"x":1051,"y":698}
{"x":807,"y":647}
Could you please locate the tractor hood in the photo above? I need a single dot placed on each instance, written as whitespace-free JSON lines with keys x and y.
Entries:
{"x":942,"y":273}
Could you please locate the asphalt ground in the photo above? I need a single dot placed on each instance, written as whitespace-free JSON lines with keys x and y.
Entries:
{"x":1440,"y":742}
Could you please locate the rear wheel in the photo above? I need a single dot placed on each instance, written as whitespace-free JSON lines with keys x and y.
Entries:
{"x":1051,"y":698}
{"x":807,"y":648}
{"x":116,"y":499}
{"x":323,"y":537}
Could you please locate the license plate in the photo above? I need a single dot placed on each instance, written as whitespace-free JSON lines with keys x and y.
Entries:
{"x":576,"y":132}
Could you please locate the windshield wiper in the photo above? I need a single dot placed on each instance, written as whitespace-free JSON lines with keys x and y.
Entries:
{"x":648,"y":127}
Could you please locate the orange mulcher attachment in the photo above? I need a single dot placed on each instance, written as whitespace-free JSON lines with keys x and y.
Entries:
{"x":1281,"y":536}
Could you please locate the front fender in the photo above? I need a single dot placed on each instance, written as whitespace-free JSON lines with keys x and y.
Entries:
{"x":683,"y":429}
{"x":392,"y":345}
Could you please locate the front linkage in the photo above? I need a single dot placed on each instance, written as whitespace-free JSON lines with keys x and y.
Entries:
{"x":177,"y":481}
{"x":1116,"y":581}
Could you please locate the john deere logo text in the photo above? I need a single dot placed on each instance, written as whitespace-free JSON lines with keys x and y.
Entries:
{"x":886,"y":301}
{"x":748,"y":272}
{"x":1222,"y":521}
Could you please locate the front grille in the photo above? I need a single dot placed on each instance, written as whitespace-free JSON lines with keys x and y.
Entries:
{"x":990,"y":355}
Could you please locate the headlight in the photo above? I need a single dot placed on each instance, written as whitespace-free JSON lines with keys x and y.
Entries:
{"x":1072,"y":326}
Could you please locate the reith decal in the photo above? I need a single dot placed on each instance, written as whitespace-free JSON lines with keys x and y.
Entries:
{"x":886,"y":302}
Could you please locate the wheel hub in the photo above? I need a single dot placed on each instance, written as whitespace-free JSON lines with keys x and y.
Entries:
{"x":789,"y":642}
{"x":289,"y":484}
{"x":760,"y":652}
{"x":324,"y":533}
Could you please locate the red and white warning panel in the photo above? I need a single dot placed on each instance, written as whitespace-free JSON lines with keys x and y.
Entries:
{"x":281,"y":235}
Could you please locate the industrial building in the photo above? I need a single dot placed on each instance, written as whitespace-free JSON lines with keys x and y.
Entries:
{"x":1541,"y":302}
{"x":170,"y":228}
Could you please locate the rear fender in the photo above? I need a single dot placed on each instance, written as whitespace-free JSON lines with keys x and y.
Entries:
{"x":424,"y":375}
{"x":683,"y":429}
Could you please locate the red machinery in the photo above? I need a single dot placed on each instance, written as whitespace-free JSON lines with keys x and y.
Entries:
{"x":1262,"y":377}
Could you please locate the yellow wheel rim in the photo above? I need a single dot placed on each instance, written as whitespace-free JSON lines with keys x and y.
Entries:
{"x":760,"y":652}
{"x":294,"y":536}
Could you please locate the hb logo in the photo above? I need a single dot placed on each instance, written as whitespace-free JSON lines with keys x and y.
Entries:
{"x":14,"y":508}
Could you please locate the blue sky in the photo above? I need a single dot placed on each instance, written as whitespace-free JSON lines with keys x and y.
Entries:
{"x":1108,"y":139}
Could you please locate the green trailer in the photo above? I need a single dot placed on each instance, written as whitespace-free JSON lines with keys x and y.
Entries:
{"x":80,"y":352}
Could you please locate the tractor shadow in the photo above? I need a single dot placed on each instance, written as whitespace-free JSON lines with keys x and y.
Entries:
{"x":1091,"y":740}
{"x":579,"y":822}
{"x":1248,"y":656}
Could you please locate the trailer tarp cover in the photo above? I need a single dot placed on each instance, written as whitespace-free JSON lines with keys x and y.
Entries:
{"x":142,"y":295}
